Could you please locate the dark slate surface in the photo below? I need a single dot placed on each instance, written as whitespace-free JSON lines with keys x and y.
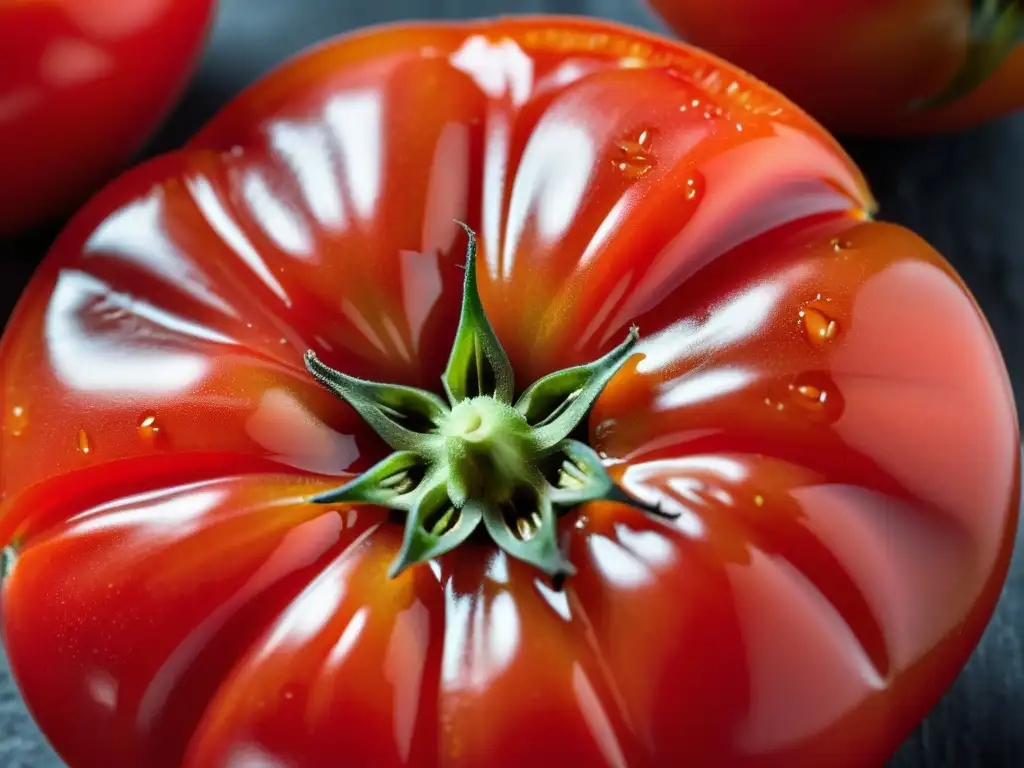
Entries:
{"x":964,"y":193}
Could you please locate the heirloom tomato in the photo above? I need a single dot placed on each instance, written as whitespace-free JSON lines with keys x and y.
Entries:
{"x":871,"y":66}
{"x":82,"y":84}
{"x":760,"y":517}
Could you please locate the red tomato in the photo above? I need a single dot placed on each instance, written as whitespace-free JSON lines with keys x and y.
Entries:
{"x":82,"y":84}
{"x":863,"y":65}
{"x":817,"y":399}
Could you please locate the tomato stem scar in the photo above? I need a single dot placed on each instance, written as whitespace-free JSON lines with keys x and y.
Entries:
{"x":483,"y":457}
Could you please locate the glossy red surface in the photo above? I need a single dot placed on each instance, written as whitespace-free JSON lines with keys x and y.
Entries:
{"x":815,"y":394}
{"x":857,"y":65}
{"x":82,"y":84}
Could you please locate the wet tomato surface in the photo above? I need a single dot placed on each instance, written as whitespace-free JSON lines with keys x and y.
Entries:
{"x":815,"y":402}
{"x":82,"y":85}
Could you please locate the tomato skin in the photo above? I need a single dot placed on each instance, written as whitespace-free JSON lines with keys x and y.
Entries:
{"x":856,"y":65}
{"x":82,"y":84}
{"x":818,"y":398}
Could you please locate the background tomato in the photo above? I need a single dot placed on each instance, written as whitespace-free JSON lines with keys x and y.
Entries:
{"x":858,"y":65}
{"x":828,"y":575}
{"x":82,"y":84}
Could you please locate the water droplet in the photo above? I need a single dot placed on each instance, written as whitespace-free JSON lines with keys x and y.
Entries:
{"x":18,"y":421}
{"x":817,"y":393}
{"x":282,"y":341}
{"x":693,"y":190}
{"x":759,"y":500}
{"x":633,"y":156}
{"x":582,"y":522}
{"x":83,"y":442}
{"x":819,"y":327}
{"x":149,"y":429}
{"x":809,"y":395}
{"x":840,"y":245}
{"x":739,"y":127}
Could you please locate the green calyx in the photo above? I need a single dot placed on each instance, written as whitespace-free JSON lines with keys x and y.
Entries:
{"x":997,"y":27}
{"x":482,"y":457}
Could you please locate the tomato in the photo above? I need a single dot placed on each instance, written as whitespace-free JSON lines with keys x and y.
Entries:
{"x":871,"y":66}
{"x":814,"y":437}
{"x":82,"y":84}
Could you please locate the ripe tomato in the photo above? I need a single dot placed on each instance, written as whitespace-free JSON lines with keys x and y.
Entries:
{"x":815,"y":399}
{"x":82,"y":84}
{"x":865,"y":65}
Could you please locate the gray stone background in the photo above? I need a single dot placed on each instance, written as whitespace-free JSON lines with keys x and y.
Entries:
{"x":963,"y":193}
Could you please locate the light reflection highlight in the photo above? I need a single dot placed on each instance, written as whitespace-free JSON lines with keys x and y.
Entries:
{"x":254,"y":756}
{"x":358,"y":319}
{"x":355,"y":123}
{"x":608,"y":226}
{"x":278,"y":221}
{"x":306,"y":150}
{"x":729,"y":323}
{"x":693,"y":388}
{"x":557,"y":600}
{"x":177,"y":516}
{"x":597,"y":720}
{"x":136,"y":233}
{"x":481,"y":639}
{"x":134,"y":354}
{"x":213,"y":209}
{"x":421,"y":288}
{"x":652,"y":547}
{"x":348,"y":638}
{"x":617,"y":564}
{"x":103,"y":689}
{"x":67,"y":62}
{"x":404,"y":665}
{"x":497,"y":568}
{"x":499,"y":69}
{"x":797,"y":673}
{"x":608,"y":304}
{"x":289,"y":430}
{"x":677,"y":486}
{"x":550,"y":183}
{"x":312,"y":611}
